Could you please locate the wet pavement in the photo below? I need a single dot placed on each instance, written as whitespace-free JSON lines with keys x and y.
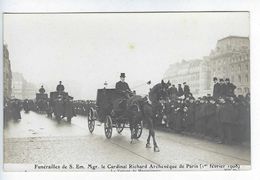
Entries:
{"x":37,"y":139}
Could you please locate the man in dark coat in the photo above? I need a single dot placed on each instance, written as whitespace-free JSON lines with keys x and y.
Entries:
{"x":222,"y":88}
{"x":225,"y":114}
{"x":122,"y":86}
{"x":60,"y":87}
{"x":16,"y":110}
{"x":173,"y":92}
{"x":180,"y":90}
{"x":211,"y":118}
{"x":191,"y":115}
{"x":42,"y":90}
{"x":216,"y":88}
{"x":186,"y":90}
{"x":230,"y":88}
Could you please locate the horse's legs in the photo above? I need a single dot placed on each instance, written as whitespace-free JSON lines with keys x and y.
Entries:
{"x":148,"y":145}
{"x":152,"y":133}
{"x":156,"y":148}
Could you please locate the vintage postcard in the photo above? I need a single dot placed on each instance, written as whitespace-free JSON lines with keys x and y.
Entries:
{"x":144,"y":91}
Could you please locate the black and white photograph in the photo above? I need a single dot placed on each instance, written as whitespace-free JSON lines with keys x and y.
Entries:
{"x":126,"y":91}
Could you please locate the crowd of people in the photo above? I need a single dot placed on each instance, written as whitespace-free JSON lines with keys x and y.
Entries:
{"x":222,"y":117}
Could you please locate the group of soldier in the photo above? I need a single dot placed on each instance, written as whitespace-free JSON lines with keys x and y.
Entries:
{"x":223,"y":117}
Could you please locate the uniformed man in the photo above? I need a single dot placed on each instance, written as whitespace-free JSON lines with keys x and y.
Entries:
{"x":60,"y":87}
{"x":230,"y":88}
{"x":222,"y":88}
{"x":42,"y":90}
{"x":122,"y":86}
{"x":180,"y":90}
{"x":216,"y":88}
{"x":186,"y":90}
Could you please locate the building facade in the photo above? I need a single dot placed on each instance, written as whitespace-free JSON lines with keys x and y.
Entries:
{"x":21,"y":89}
{"x":17,"y":85}
{"x":7,"y":73}
{"x":194,"y":72}
{"x":231,"y":59}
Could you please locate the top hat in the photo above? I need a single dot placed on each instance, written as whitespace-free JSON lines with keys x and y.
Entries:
{"x":122,"y":75}
{"x":227,"y":79}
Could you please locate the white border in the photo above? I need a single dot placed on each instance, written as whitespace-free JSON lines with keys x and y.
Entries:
{"x":153,"y":5}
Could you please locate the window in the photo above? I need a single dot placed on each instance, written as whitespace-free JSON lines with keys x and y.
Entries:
{"x":239,"y":67}
{"x":232,"y":79}
{"x":239,"y":78}
{"x":247,"y":67}
{"x":246,"y":77}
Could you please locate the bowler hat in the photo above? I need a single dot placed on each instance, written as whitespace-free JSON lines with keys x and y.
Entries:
{"x":122,"y":75}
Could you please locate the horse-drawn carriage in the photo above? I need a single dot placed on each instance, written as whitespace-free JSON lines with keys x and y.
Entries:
{"x":115,"y":111}
{"x":61,"y":106}
{"x":41,"y":102}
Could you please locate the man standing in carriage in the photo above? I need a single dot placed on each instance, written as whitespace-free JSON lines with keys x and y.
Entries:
{"x":60,"y":87}
{"x":42,"y":90}
{"x":123,"y":87}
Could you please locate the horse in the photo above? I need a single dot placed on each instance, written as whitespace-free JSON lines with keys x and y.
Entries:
{"x":139,"y":108}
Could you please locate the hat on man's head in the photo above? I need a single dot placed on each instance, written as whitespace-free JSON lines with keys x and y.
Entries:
{"x":221,"y":80}
{"x":184,"y":82}
{"x":60,"y":81}
{"x":215,"y":79}
{"x":227,"y":79}
{"x":122,"y":75}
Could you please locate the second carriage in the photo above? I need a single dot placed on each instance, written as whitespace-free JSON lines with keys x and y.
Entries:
{"x":111,"y":109}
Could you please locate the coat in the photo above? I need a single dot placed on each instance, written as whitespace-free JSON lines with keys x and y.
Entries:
{"x":222,"y":90}
{"x":216,"y":90}
{"x":186,"y":90}
{"x":230,"y":88}
{"x":122,"y":86}
{"x":180,"y":91}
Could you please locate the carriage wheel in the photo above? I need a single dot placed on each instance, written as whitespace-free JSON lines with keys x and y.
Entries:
{"x":91,"y":121}
{"x":120,"y":127}
{"x":108,"y":127}
{"x":139,"y":129}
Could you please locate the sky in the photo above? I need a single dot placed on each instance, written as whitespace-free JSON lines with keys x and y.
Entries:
{"x":85,"y":50}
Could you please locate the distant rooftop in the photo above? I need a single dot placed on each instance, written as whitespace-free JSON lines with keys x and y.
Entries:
{"x":230,"y":37}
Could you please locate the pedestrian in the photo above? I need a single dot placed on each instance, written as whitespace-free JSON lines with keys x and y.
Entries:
{"x":230,"y":88}
{"x":211,"y":119}
{"x":216,"y":88}
{"x":186,"y":90}
{"x":173,"y":92}
{"x":16,"y":110}
{"x":180,"y":90}
{"x":222,"y":88}
{"x":224,"y":114}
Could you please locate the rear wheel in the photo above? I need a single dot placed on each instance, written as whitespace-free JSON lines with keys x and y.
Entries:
{"x":108,"y":126}
{"x":91,"y":121}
